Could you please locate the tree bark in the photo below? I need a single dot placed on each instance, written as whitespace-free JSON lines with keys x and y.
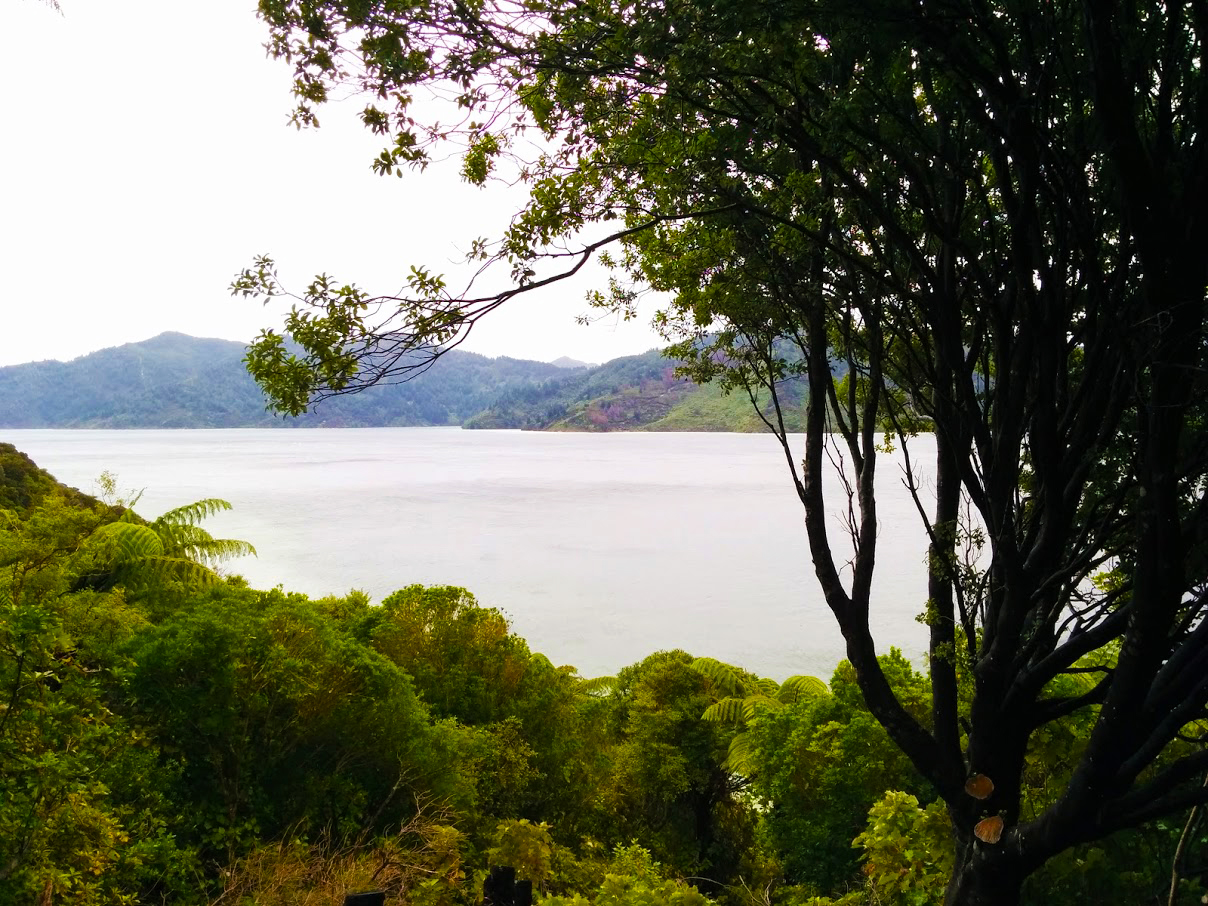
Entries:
{"x":984,"y":876}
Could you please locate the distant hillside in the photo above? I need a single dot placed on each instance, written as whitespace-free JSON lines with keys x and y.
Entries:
{"x":177,"y":381}
{"x":635,"y":393}
{"x":169,"y":381}
{"x":567,"y":362}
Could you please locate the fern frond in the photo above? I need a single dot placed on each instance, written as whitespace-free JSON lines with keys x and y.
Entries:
{"x":196,"y":543}
{"x":729,"y":710}
{"x":178,"y":537}
{"x":740,"y":758}
{"x":125,"y":542}
{"x":219,"y":550}
{"x":768,"y":687}
{"x":598,"y":686}
{"x":213,"y":551}
{"x":801,"y":688}
{"x":193,"y":513}
{"x":723,"y":676}
{"x":149,"y":569}
{"x":753,"y":703}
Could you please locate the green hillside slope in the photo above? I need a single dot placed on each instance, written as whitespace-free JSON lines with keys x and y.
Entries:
{"x":23,"y":485}
{"x":709,"y":408}
{"x":635,"y":393}
{"x":177,"y":381}
{"x":169,"y":381}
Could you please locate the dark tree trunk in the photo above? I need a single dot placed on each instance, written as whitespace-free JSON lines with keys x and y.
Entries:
{"x":984,"y":876}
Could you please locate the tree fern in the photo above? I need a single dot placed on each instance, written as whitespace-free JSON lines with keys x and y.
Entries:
{"x":135,"y":553}
{"x":801,"y":688}
{"x":726,"y":680}
{"x":740,"y":696}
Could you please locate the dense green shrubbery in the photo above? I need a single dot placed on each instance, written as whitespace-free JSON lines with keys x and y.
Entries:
{"x":169,"y":736}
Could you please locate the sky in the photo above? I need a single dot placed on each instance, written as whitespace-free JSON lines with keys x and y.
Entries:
{"x":146,"y":158}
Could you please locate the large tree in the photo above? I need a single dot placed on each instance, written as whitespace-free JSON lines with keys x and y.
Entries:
{"x":991,"y":212}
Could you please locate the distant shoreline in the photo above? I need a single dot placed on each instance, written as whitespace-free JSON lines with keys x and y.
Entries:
{"x":174,"y":381}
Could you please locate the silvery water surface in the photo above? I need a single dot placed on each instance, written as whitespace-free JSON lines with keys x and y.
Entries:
{"x":601,"y":548}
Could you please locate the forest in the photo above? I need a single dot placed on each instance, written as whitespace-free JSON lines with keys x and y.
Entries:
{"x":170,"y":735}
{"x":982,"y":220}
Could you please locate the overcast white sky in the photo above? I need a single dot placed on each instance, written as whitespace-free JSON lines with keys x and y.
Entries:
{"x":145,"y":158}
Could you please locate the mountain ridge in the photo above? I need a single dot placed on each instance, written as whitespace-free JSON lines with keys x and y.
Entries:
{"x":174,"y":380}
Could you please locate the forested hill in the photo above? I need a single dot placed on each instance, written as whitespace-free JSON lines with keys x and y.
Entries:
{"x":635,"y":393}
{"x":23,"y":485}
{"x":177,"y":381}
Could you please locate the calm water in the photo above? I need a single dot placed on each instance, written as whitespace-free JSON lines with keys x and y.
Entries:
{"x":600,"y":548}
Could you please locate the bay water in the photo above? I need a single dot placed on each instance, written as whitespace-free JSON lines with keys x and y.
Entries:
{"x":600,"y":548}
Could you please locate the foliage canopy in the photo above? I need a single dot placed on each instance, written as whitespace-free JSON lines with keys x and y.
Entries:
{"x":167,"y":737}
